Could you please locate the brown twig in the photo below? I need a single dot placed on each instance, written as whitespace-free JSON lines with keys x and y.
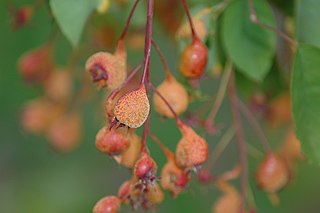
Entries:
{"x":254,"y":18}
{"x":186,"y":8}
{"x":240,"y":141}
{"x":125,"y":30}
{"x":254,"y":123}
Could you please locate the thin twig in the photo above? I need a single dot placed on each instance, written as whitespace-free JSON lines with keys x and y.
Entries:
{"x":125,"y":30}
{"x":186,"y":8}
{"x":220,"y":95}
{"x":163,"y":60}
{"x":254,"y":18}
{"x":254,"y":123}
{"x":147,"y":47}
{"x":129,"y":78}
{"x":222,"y":144}
{"x":178,"y":120}
{"x":240,"y":141}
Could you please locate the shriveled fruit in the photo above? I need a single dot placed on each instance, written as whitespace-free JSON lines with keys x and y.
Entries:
{"x":64,"y":134}
{"x":175,"y":94}
{"x":192,"y":150}
{"x":129,"y":157}
{"x":108,"y":204}
{"x":273,"y":173}
{"x":112,"y":141}
{"x":132,"y":109}
{"x":194,"y":59}
{"x":108,"y":70}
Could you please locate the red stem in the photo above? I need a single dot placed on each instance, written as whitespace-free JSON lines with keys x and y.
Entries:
{"x":132,"y":74}
{"x":147,"y":47}
{"x":186,"y":8}
{"x":168,"y":153}
{"x":240,"y":141}
{"x":144,"y":136}
{"x":163,"y":60}
{"x":254,"y":123}
{"x":125,"y":30}
{"x":178,"y":120}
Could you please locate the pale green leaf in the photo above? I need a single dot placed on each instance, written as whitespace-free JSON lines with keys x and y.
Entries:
{"x":306,"y":99}
{"x":71,"y":16}
{"x":250,"y":46}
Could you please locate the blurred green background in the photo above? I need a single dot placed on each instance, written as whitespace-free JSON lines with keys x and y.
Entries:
{"x":36,"y":179}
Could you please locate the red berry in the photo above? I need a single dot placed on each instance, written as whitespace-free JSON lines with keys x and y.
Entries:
{"x":145,"y":168}
{"x":112,"y":142}
{"x":273,"y":173}
{"x":193,"y":59}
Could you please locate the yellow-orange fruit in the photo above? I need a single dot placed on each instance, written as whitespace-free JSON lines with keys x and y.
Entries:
{"x":37,"y":115}
{"x":291,"y":147}
{"x":108,"y":204}
{"x":175,"y":94}
{"x":194,"y":59}
{"x":58,"y":86}
{"x":154,"y":194}
{"x":279,"y":110}
{"x":132,"y":109}
{"x":36,"y":65}
{"x":64,"y":134}
{"x":108,"y":70}
{"x":192,"y":149}
{"x":112,"y":142}
{"x":145,"y":167}
{"x":273,"y":173}
{"x":229,"y":202}
{"x":129,"y":157}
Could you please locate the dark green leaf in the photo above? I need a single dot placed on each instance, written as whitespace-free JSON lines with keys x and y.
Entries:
{"x":71,"y":16}
{"x":307,"y":21}
{"x":306,"y":99}
{"x":250,"y":47}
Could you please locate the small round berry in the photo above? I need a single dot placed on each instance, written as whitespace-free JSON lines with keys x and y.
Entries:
{"x":124,"y":191}
{"x":273,"y":173}
{"x":175,"y":94}
{"x":108,"y":204}
{"x":193,"y":59}
{"x":112,"y":142}
{"x":145,"y":167}
{"x":132,"y":109}
{"x":192,"y":150}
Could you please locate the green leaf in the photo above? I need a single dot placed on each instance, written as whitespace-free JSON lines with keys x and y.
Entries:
{"x":250,"y":46}
{"x":71,"y":16}
{"x":307,"y":21}
{"x":306,"y":99}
